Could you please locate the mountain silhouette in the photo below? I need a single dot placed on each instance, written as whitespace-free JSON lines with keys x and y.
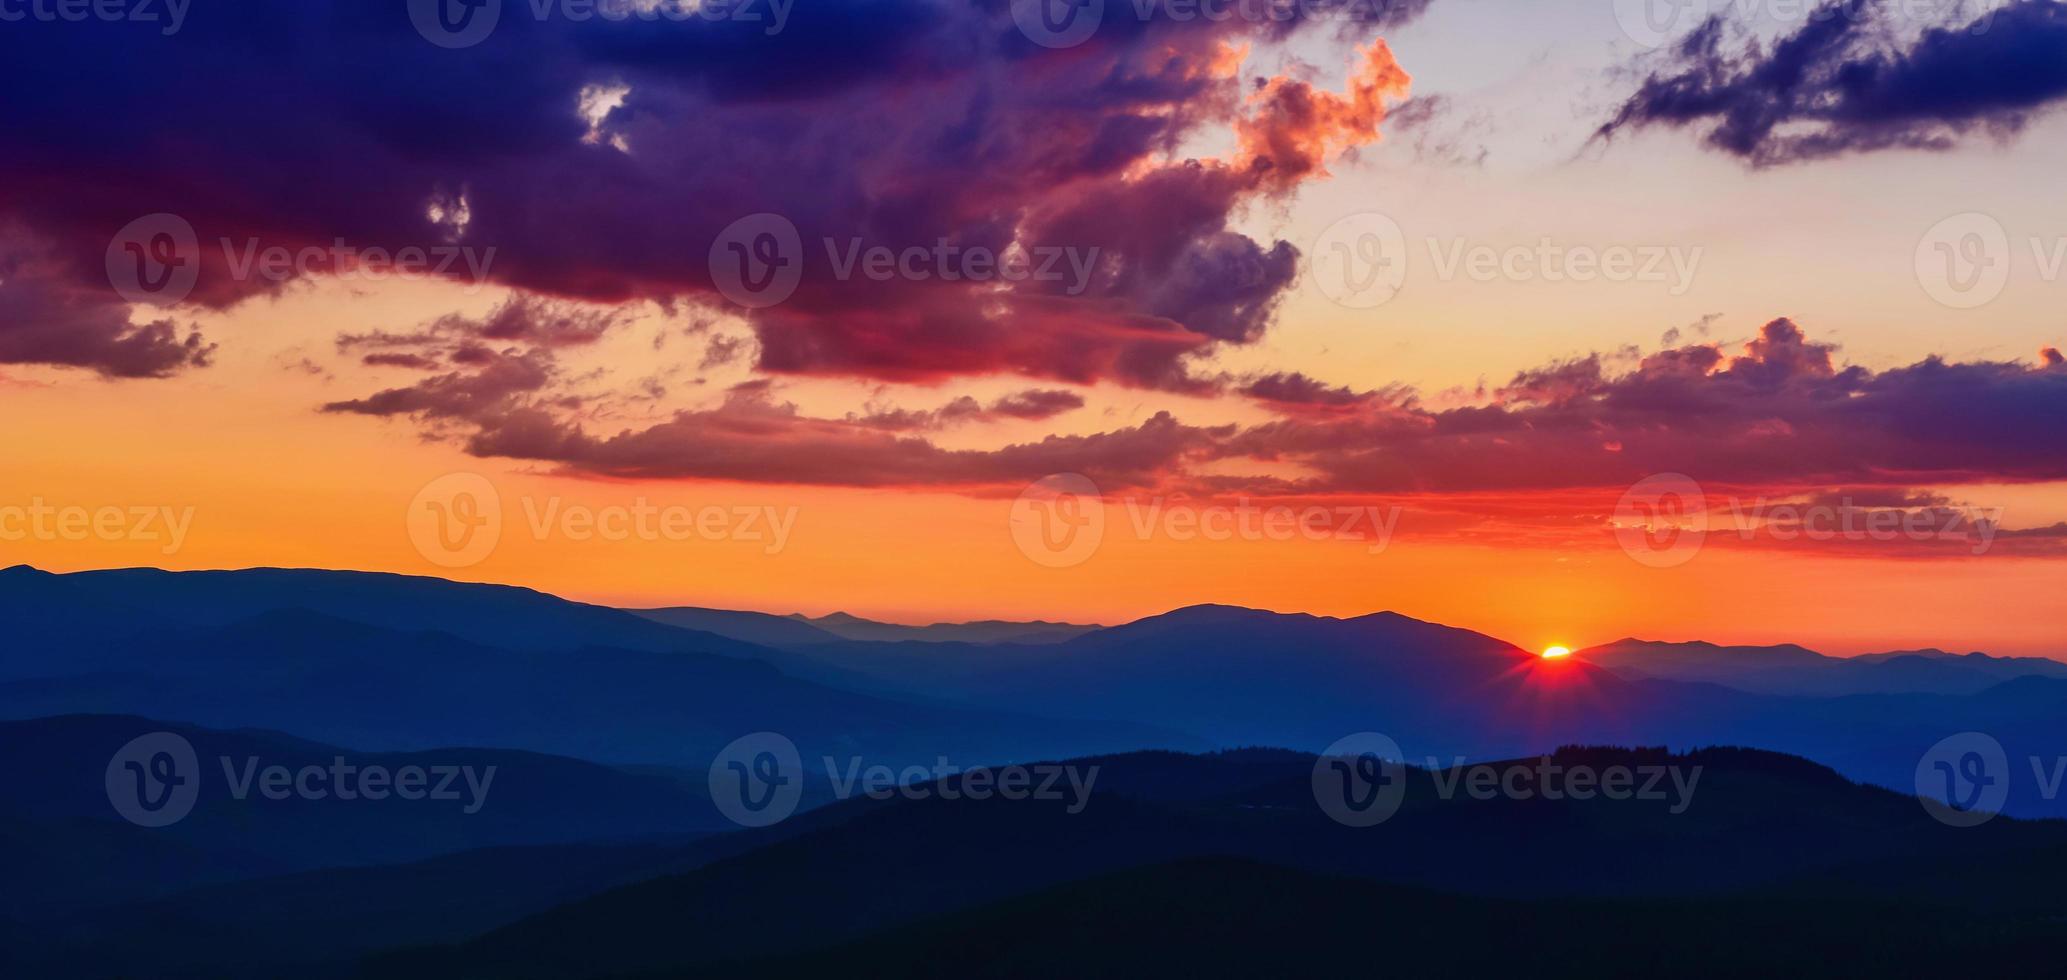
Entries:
{"x":369,"y":683}
{"x":882,"y":866}
{"x":1794,"y":670}
{"x":1225,"y":917}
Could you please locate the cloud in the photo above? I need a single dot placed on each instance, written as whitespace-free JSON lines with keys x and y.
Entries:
{"x":601,"y":159}
{"x":1777,"y":415}
{"x":1840,"y":85}
{"x":1780,"y":413}
{"x":48,"y":315}
{"x":1030,"y":405}
{"x":751,"y":437}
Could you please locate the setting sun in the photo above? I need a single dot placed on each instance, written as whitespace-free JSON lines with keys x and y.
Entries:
{"x":1552,"y":653}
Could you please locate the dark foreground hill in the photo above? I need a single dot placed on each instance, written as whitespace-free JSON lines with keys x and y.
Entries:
{"x":1220,"y":917}
{"x":1753,"y":824}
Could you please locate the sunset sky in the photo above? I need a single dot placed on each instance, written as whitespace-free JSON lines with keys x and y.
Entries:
{"x":1847,"y":240}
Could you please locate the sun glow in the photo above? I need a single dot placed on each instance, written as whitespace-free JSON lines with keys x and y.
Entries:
{"x":1552,"y":653}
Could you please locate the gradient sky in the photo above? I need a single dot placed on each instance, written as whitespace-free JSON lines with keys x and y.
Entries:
{"x":1809,"y":359}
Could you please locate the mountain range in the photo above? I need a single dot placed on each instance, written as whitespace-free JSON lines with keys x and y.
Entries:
{"x":600,"y":850}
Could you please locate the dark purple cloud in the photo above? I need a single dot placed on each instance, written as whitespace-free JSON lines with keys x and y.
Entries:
{"x":1841,"y":84}
{"x":48,"y":317}
{"x":895,"y":124}
{"x":1779,"y":415}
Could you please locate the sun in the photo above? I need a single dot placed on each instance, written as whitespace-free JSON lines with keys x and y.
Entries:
{"x":1552,"y":653}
